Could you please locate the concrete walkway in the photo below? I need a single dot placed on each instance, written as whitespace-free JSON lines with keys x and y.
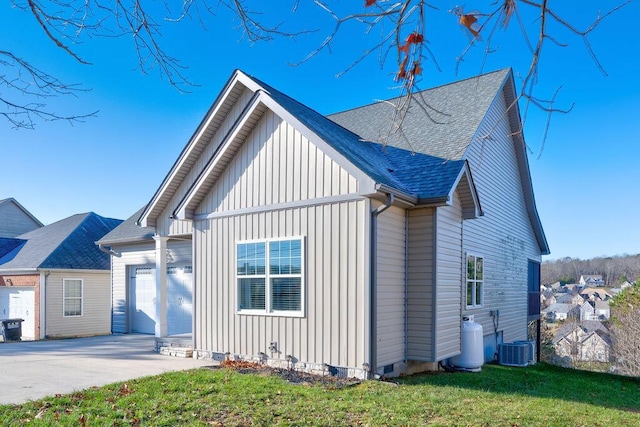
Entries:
{"x":35,"y":369}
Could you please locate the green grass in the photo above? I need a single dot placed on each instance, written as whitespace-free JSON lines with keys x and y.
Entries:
{"x":541,"y":395}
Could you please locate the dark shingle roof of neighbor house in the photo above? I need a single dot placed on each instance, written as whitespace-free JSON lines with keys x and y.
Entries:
{"x":441,"y":121}
{"x":128,"y":231}
{"x":422,"y":175}
{"x":65,"y":244}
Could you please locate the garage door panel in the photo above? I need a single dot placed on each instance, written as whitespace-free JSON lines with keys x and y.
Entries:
{"x":179,"y":299}
{"x":19,"y":303}
{"x":142,"y":300}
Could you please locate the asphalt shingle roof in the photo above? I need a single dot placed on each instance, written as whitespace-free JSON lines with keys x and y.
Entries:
{"x":440,"y":122}
{"x":420,"y":174}
{"x":128,"y":231}
{"x":66,"y":244}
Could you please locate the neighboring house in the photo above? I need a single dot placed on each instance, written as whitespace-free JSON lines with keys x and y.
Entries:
{"x":547,"y":298}
{"x":591,"y":280}
{"x":569,"y":299}
{"x":602,"y":310}
{"x":559,"y":311}
{"x":309,"y":241}
{"x":595,"y":294}
{"x":15,"y":219}
{"x":57,"y":279}
{"x":587,"y":311}
{"x":583,"y":342}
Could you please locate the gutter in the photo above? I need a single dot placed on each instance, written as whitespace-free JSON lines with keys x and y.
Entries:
{"x":373,"y":285}
{"x":108,"y":250}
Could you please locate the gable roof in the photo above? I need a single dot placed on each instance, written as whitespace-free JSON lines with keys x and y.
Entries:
{"x":66,"y":244}
{"x":426,"y":172}
{"x":28,"y":214}
{"x":128,"y":231}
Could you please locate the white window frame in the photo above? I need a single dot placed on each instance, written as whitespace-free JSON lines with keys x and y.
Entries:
{"x":474,"y":282}
{"x":66,"y":298}
{"x":267,"y":276}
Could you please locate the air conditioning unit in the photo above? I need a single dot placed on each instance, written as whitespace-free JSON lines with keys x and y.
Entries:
{"x":532,"y":350}
{"x":513,"y":354}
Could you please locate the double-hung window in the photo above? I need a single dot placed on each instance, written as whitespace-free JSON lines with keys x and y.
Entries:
{"x":270,"y":276}
{"x":72,"y":297}
{"x":475,"y":281}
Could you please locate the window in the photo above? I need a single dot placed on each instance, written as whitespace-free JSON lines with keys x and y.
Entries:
{"x":72,"y":297}
{"x":276,"y":289}
{"x":475,"y":281}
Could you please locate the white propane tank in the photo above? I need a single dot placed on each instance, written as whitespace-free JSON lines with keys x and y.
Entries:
{"x":471,"y":357}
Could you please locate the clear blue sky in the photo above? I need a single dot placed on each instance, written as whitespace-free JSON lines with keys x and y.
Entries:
{"x":585,"y":180}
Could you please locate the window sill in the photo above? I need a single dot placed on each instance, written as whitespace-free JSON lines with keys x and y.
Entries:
{"x":293,"y":314}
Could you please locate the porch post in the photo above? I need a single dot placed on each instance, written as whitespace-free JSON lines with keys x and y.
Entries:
{"x":161,"y":286}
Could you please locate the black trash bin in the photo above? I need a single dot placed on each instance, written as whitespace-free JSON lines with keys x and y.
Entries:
{"x":12,"y":329}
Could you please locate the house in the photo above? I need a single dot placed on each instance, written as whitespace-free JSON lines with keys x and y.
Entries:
{"x":583,"y":342}
{"x":591,"y":280}
{"x":57,"y":280}
{"x":15,"y":219}
{"x":587,"y":311}
{"x":560,"y":311}
{"x":327,"y":243}
{"x":602,"y":310}
{"x":595,"y":294}
{"x":570,"y":299}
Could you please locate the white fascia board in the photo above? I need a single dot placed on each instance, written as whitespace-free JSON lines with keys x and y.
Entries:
{"x":465,"y":174}
{"x":185,"y":210}
{"x":238,"y":77}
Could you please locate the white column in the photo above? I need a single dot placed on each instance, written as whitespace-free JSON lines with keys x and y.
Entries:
{"x":161,"y":285}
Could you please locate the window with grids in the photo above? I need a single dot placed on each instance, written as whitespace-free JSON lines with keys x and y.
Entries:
{"x":72,"y":297}
{"x":270,"y":275}
{"x":475,"y":281}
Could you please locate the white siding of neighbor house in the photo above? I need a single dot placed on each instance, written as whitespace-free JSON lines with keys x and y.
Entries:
{"x":391,"y":248}
{"x":448,"y":292}
{"x":277,"y":165}
{"x":139,"y":254}
{"x":420,"y":277}
{"x":14,"y":221}
{"x":96,"y":310}
{"x":167,"y":226}
{"x":504,"y":235}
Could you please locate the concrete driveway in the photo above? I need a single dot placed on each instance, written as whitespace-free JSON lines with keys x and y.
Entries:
{"x":35,"y":369}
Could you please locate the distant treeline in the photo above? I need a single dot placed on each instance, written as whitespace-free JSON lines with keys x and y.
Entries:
{"x":614,"y":270}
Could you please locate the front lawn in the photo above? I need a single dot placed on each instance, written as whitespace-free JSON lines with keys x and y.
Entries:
{"x":541,"y":395}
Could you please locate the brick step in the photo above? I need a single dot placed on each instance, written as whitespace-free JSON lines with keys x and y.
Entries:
{"x":176,"y":351}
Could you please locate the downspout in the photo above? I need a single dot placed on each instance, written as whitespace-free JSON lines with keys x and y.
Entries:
{"x":42,"y":333}
{"x":108,"y":250}
{"x":406,"y":288}
{"x":373,"y":303}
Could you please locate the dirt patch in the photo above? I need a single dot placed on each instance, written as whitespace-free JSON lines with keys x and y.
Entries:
{"x":290,"y":375}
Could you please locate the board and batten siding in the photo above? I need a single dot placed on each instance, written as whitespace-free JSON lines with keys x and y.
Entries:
{"x":171,"y":227}
{"x":332,"y":329}
{"x":420,"y":279}
{"x":390,"y":266}
{"x":138,"y":254}
{"x":448,"y":292}
{"x":504,"y":235}
{"x":96,"y":310}
{"x":276,"y":165}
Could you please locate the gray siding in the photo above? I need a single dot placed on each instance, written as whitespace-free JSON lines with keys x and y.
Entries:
{"x":13,"y":220}
{"x":96,"y":294}
{"x":448,"y":294}
{"x":139,"y":254}
{"x":504,"y":235}
{"x":167,"y":226}
{"x":420,"y":280}
{"x":277,"y":165}
{"x":391,"y":286}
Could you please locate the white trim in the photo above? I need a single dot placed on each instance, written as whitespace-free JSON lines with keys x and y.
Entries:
{"x":282,"y":206}
{"x":473,"y":306}
{"x":268,"y":311}
{"x":65,"y":298}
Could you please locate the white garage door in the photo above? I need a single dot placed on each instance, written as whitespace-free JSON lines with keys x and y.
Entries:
{"x":143,"y":300}
{"x":19,"y":303}
{"x":179,"y":299}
